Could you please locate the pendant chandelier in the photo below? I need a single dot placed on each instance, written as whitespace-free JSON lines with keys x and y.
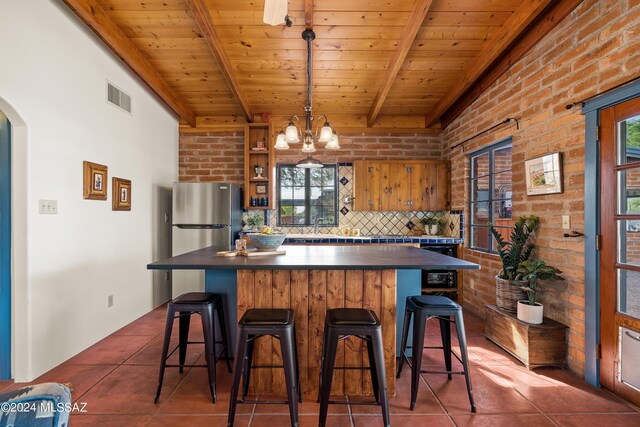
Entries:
{"x":291,"y":133}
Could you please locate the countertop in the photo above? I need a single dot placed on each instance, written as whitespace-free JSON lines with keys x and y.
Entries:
{"x":312,"y":257}
{"x":372,"y":239}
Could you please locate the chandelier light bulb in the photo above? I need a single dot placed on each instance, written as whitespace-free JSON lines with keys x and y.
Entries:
{"x":309,"y":148}
{"x":281,"y":142}
{"x":333,"y":144}
{"x":326,"y":133}
{"x":292,"y":133}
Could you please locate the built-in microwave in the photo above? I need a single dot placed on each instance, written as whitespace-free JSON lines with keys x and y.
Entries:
{"x":440,"y":282}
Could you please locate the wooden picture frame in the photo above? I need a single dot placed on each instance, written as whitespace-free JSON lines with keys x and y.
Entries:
{"x":544,"y":174}
{"x":261,"y":189}
{"x":121,"y":197}
{"x":95,"y":181}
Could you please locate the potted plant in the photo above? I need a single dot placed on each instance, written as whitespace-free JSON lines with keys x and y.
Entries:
{"x":531,"y":272}
{"x":512,"y":253}
{"x":431,"y":225}
{"x":255,"y":221}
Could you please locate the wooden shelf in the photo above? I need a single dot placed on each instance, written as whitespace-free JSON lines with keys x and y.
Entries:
{"x":254,"y":132}
{"x":533,"y":345}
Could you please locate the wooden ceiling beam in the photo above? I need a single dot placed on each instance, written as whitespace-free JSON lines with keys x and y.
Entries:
{"x":407,"y":37}
{"x":308,"y":14}
{"x":509,"y":32}
{"x":97,"y":19}
{"x":548,"y":21}
{"x":200,"y":13}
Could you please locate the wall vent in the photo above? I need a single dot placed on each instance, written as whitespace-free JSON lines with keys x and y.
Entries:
{"x":118,"y":98}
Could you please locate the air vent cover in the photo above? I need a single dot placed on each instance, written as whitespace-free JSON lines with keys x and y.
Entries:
{"x":118,"y":98}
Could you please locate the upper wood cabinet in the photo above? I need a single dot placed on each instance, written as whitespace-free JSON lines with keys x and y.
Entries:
{"x":398,"y":185}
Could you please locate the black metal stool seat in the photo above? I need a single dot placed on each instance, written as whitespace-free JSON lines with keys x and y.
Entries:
{"x":422,"y":308}
{"x":435,"y":301}
{"x":267,"y":317}
{"x":204,"y":304}
{"x":341,"y":323}
{"x":256,"y":323}
{"x":196,"y":298}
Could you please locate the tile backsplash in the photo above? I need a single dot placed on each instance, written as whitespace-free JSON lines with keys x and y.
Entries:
{"x":369,"y":223}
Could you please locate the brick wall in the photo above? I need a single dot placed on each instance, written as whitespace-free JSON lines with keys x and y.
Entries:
{"x":594,"y":48}
{"x":206,"y":157}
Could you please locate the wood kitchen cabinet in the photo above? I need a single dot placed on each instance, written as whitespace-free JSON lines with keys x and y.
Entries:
{"x":401,"y":185}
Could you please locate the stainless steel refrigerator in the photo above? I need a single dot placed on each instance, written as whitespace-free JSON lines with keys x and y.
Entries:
{"x":204,"y":214}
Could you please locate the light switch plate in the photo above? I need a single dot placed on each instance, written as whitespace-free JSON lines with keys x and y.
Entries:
{"x":566,"y":222}
{"x":48,"y":207}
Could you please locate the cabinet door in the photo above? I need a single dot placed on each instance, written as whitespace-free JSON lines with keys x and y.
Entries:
{"x":442,"y":201}
{"x":396,"y":192}
{"x":418,"y":199}
{"x":429,"y":186}
{"x":386,"y":187}
{"x":401,"y":176}
{"x":372,"y":186}
{"x":359,"y":186}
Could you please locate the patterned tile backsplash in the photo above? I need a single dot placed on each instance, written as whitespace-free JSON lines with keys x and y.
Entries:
{"x":369,"y":223}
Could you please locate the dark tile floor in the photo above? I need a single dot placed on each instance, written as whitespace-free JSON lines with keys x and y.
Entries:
{"x":116,"y":378}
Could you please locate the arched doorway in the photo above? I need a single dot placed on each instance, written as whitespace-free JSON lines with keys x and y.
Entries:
{"x":20,"y":328}
{"x":5,"y":248}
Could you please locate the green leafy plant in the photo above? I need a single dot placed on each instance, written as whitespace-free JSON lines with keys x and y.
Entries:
{"x":255,"y":221}
{"x":519,"y":248}
{"x":430,"y":221}
{"x":532,"y":272}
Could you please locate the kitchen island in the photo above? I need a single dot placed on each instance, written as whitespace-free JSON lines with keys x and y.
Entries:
{"x":311,"y":279}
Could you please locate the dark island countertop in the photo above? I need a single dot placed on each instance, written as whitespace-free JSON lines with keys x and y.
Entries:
{"x":311,"y":257}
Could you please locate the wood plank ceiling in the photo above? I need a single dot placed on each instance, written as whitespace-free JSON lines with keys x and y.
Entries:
{"x":371,"y":58}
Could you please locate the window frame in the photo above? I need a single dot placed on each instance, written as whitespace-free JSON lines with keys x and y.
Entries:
{"x":307,"y":199}
{"x":490,"y":151}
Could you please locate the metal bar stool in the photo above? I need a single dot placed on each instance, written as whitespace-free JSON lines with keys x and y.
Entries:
{"x":203,"y":303}
{"x":256,"y":323}
{"x":422,"y":308}
{"x":339,"y":324}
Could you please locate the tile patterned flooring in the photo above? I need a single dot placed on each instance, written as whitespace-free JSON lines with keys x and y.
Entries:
{"x":117,"y":377}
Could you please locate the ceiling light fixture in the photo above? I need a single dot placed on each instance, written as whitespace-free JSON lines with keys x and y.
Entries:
{"x":291,"y":132}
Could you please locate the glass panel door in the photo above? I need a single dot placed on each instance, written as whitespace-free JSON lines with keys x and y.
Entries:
{"x":620,"y":248}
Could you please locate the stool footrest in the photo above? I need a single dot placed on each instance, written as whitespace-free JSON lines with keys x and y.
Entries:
{"x":266,"y":366}
{"x":427,"y":347}
{"x":264,"y":402}
{"x":352,"y":368}
{"x":185,"y":366}
{"x":443,"y":372}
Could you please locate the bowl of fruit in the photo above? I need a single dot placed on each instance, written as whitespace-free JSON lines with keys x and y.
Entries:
{"x":267,"y":240}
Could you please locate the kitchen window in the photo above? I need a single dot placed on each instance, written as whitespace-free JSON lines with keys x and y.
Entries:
{"x":490,"y":195}
{"x":307,"y":194}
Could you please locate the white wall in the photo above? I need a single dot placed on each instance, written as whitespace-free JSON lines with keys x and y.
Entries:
{"x":52,"y":75}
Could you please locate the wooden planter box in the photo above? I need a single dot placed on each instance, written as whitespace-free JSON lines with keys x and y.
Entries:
{"x":533,"y":345}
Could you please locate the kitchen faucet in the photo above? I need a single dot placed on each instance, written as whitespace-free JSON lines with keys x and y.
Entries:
{"x":315,"y":224}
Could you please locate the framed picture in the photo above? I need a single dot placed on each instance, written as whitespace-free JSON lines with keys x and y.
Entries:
{"x":261,"y":189}
{"x":121,"y":197}
{"x":544,"y":174}
{"x":95,"y":181}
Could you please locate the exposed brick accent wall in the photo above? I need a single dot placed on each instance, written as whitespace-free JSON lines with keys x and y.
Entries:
{"x":594,"y":48}
{"x":206,"y":157}
{"x":356,"y":147}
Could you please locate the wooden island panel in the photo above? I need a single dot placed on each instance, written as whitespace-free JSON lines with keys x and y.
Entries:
{"x":310,"y":293}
